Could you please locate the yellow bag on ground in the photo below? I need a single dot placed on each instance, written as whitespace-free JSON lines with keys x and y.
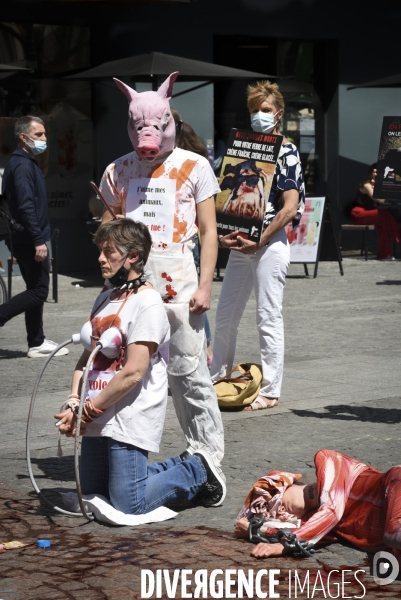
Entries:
{"x":240,"y":386}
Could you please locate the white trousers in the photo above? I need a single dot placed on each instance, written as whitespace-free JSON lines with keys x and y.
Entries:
{"x":197,"y":410}
{"x":173,"y":273}
{"x":263,"y":272}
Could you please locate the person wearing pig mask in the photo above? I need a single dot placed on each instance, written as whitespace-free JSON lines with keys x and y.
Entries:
{"x":172,"y":191}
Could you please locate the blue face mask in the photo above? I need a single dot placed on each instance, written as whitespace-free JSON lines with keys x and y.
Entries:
{"x":39,"y":146}
{"x":263,"y":122}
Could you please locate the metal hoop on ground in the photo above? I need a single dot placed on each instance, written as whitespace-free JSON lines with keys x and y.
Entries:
{"x":74,"y":339}
{"x":78,"y":429}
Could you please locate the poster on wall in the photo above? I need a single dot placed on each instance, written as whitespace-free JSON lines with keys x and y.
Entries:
{"x":70,"y":167}
{"x":388,"y":180}
{"x":304,"y":241}
{"x":245,"y":182}
{"x":67,"y":164}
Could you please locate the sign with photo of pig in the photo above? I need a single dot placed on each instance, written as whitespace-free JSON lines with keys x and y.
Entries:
{"x":304,"y":241}
{"x":245,"y":182}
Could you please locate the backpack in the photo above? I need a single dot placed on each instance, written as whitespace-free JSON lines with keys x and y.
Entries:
{"x":240,"y":386}
{"x":7,"y":224}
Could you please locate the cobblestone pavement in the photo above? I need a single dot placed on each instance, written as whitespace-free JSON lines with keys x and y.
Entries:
{"x":341,"y":390}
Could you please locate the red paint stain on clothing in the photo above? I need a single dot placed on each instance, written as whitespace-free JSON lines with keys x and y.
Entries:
{"x":180,"y":229}
{"x":157,"y":171}
{"x":125,"y":162}
{"x":165,"y":276}
{"x":99,"y":326}
{"x":183,"y":173}
{"x":170,"y":293}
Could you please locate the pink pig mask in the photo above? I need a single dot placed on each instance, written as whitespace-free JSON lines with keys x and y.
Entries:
{"x":151,"y":126}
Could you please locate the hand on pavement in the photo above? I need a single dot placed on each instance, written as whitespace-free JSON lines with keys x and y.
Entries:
{"x":264,"y":550}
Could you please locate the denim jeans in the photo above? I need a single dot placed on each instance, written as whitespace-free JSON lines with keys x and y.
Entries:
{"x":121,"y":473}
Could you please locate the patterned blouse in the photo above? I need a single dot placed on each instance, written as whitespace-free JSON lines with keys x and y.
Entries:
{"x":287,"y":176}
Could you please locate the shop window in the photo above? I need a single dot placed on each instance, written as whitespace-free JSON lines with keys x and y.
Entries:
{"x":65,"y":106}
{"x":291,"y":61}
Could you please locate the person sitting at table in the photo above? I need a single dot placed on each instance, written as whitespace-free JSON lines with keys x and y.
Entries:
{"x":350,"y":500}
{"x":367,"y":211}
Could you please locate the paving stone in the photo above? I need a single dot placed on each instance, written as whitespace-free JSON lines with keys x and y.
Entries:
{"x":341,"y":390}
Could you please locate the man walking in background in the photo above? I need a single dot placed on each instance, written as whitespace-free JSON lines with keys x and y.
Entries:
{"x":24,"y":189}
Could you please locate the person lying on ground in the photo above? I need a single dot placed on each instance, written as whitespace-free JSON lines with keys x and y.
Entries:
{"x":350,"y":501}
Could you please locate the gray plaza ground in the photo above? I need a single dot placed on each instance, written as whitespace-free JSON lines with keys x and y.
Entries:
{"x":341,"y":390}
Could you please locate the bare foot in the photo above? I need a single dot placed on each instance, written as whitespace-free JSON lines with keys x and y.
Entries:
{"x":241,"y":528}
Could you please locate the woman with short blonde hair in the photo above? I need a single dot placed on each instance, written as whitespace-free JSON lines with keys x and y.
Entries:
{"x":258,"y":93}
{"x":261,"y":266}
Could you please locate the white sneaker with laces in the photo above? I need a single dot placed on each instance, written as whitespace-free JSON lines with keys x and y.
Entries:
{"x":45,"y":349}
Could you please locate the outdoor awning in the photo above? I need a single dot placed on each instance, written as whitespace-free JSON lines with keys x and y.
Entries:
{"x":391,"y":81}
{"x":6,"y":70}
{"x":147,"y":67}
{"x":128,"y":2}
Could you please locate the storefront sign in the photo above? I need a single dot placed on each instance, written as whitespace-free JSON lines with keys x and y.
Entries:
{"x":388,"y":180}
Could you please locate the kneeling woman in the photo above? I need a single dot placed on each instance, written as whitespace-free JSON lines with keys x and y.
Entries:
{"x":350,"y":500}
{"x":124,"y":413}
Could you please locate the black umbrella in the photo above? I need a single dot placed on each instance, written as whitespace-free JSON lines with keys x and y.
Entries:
{"x":156,"y":65}
{"x":8,"y":70}
{"x":391,"y":81}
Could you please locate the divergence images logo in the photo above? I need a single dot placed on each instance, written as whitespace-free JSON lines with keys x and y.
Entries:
{"x":385,"y":568}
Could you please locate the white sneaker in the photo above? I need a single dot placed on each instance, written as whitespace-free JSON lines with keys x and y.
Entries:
{"x":45,"y":349}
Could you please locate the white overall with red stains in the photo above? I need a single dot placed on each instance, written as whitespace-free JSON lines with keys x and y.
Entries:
{"x":129,"y":184}
{"x":173,"y":274}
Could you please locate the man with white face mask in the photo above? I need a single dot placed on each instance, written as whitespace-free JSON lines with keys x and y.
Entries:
{"x":24,"y":189}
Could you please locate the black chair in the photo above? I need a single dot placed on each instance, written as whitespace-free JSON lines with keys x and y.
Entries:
{"x":365,"y":235}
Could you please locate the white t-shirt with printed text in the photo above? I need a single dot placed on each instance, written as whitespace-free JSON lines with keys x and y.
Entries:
{"x":163,"y":193}
{"x":138,"y":417}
